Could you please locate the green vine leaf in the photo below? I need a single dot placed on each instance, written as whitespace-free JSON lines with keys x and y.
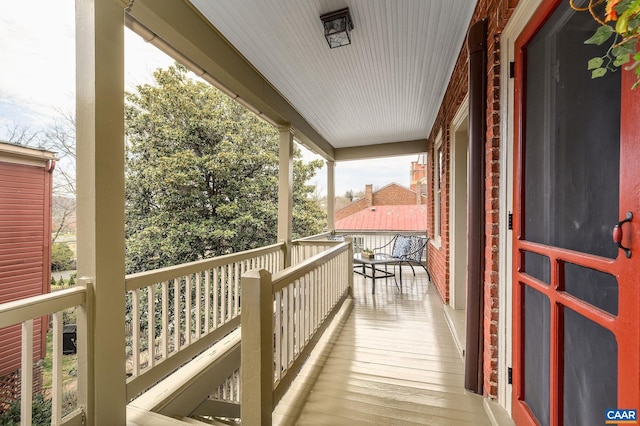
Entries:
{"x":622,"y":6}
{"x":598,"y":72}
{"x":602,"y":34}
{"x":622,"y":59}
{"x":624,"y":48}
{"x":595,"y":63}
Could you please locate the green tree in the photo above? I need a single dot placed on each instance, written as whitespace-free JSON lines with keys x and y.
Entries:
{"x":61,"y":257}
{"x":202,"y":175}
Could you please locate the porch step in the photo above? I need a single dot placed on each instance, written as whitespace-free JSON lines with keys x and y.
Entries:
{"x":178,"y":395}
{"x":140,"y":417}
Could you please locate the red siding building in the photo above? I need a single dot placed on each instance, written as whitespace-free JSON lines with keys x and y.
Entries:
{"x":25,"y":251}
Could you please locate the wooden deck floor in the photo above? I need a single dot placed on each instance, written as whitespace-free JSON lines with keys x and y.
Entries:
{"x":393,"y":363}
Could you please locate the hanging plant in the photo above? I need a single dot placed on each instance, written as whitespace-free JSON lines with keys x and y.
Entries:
{"x":622,"y":22}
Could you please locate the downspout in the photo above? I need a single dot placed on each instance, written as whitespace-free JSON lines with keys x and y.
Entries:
{"x":477,"y":45}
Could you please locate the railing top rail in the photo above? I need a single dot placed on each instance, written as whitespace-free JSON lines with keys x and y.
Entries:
{"x":313,"y":237}
{"x":315,"y":242}
{"x":283,"y":278}
{"x":18,"y":311}
{"x":143,"y":279}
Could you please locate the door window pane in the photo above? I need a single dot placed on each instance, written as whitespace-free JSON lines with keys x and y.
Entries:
{"x":594,"y":287}
{"x":537,"y":266}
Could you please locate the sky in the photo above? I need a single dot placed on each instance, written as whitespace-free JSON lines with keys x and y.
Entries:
{"x":37,"y":83}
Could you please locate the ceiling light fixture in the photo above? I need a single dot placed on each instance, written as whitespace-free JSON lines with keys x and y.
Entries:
{"x":337,"y":26}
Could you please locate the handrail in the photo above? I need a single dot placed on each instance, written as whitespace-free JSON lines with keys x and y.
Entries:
{"x":19,"y":311}
{"x":284,"y":277}
{"x":313,"y":237}
{"x":145,"y":278}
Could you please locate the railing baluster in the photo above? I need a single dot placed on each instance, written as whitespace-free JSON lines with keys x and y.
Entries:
{"x":26,"y":375}
{"x":216,"y":302}
{"x":207,"y":301}
{"x":223,"y":294}
{"x":176,"y":314}
{"x":307,"y":309}
{"x":165,"y":320}
{"x":229,"y":291}
{"x":291,"y":323}
{"x":135,"y":344}
{"x":236,"y":291}
{"x":56,"y":374}
{"x":187,"y":310}
{"x":151,"y":325}
{"x":313,"y":301}
{"x":285,"y":328}
{"x":278,"y":336}
{"x":198,"y":316}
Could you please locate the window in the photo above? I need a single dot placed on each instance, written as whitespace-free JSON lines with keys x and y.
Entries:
{"x":438,"y":170}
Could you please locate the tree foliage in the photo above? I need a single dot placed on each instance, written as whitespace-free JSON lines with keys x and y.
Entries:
{"x":202,"y":175}
{"x":61,"y":257}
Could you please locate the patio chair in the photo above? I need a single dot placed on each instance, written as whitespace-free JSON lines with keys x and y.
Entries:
{"x":406,"y":249}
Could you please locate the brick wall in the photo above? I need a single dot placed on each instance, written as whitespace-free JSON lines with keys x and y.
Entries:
{"x":352,"y":208}
{"x":394,"y":195}
{"x":497,"y":13}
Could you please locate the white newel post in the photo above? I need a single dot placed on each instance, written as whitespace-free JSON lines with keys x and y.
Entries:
{"x":256,"y":368}
{"x":349,"y":271}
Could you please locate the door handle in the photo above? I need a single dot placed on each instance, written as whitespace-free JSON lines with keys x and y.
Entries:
{"x":617,"y":234}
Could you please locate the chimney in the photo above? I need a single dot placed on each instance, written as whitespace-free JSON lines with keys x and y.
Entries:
{"x":368,"y":194}
{"x":418,"y":195}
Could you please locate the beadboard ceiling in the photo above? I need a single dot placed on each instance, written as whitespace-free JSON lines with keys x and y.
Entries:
{"x":385,"y":87}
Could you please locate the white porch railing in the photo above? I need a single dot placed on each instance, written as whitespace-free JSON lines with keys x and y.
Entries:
{"x":179,"y":311}
{"x":302,"y":250}
{"x":24,"y":312}
{"x":284,"y":314}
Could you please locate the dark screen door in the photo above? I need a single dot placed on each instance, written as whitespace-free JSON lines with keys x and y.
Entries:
{"x":576,"y":294}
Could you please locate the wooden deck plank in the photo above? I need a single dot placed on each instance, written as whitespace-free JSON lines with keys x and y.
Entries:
{"x":394,"y":362}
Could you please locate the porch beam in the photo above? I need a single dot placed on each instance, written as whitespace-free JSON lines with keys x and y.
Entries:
{"x":184,"y":30}
{"x":391,"y":149}
{"x":285,"y":191}
{"x":100,"y":207}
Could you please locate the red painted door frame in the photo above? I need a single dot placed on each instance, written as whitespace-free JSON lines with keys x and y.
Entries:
{"x":626,"y":325}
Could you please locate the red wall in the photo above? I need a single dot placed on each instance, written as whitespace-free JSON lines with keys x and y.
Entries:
{"x":25,"y":257}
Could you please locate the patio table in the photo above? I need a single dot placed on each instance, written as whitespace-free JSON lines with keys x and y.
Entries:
{"x":370,"y":264}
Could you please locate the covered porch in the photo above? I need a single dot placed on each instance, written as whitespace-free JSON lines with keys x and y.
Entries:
{"x":319,"y":348}
{"x":226,"y":337}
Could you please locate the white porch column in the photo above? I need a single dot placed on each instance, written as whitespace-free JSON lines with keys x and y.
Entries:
{"x":285,"y":190}
{"x":100,"y":195}
{"x":331,"y":195}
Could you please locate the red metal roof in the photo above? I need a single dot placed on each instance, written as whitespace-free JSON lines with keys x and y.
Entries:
{"x":386,"y":218}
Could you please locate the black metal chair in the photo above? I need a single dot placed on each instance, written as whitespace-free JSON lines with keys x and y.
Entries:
{"x":407,"y":249}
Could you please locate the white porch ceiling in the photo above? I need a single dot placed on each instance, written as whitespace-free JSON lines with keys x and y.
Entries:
{"x":385,"y":87}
